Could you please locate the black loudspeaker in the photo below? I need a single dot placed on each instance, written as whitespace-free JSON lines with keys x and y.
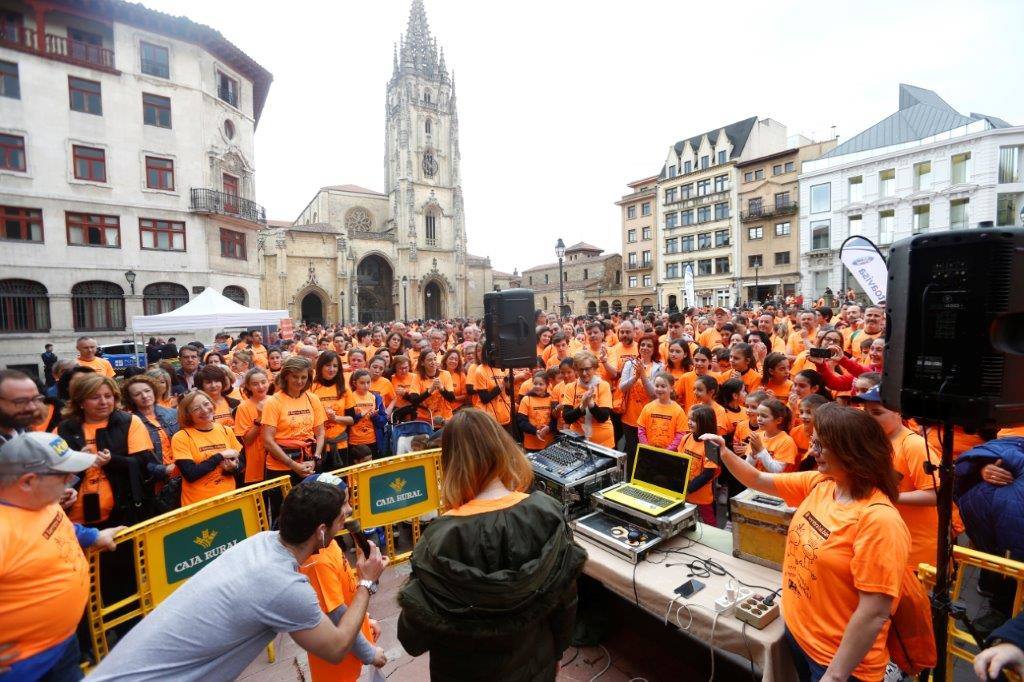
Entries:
{"x":509,"y":332}
{"x":955,"y":328}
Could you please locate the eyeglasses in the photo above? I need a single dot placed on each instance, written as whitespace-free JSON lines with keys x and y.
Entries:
{"x":22,"y":402}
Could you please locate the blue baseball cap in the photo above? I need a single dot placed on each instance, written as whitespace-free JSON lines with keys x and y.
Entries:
{"x":329,"y":479}
{"x":870,"y":396}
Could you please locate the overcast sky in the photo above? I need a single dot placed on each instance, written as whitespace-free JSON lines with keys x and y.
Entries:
{"x":562,"y":103}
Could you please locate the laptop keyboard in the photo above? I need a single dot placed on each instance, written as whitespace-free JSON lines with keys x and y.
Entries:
{"x":644,"y":496}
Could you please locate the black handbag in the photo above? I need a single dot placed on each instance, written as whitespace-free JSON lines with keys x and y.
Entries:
{"x":169,"y":497}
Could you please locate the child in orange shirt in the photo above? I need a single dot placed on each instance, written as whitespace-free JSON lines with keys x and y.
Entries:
{"x":775,"y":377}
{"x":534,"y":417}
{"x":662,"y":421}
{"x":704,"y":391}
{"x":744,"y":366}
{"x":700,"y":490}
{"x":566,"y":378}
{"x":772,"y":450}
{"x":678,"y":361}
{"x":802,"y":432}
{"x":731,"y":396}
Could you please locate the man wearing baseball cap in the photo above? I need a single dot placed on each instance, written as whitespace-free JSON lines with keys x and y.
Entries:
{"x":44,"y":573}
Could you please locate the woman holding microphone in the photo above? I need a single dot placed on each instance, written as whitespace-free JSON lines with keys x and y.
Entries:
{"x":847,"y":548}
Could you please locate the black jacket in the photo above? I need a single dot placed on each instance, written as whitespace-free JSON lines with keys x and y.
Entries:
{"x":493,"y":595}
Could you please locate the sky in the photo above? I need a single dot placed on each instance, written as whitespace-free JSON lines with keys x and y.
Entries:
{"x":563,"y":102}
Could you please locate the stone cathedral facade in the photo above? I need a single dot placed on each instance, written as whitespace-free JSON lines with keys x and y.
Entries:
{"x":358,"y":254}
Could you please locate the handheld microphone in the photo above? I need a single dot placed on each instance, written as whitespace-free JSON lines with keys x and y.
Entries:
{"x":354,"y":529}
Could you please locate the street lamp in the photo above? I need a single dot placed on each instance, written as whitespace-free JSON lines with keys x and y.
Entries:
{"x":405,"y":299}
{"x":341,"y":305}
{"x":757,"y":289}
{"x":560,"y":252}
{"x":355,"y":300}
{"x":130,"y":276}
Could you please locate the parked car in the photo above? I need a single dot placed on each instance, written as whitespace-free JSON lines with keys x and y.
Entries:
{"x":120,"y":355}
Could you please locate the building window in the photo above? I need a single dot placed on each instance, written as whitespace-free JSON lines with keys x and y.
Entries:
{"x":759,"y":174}
{"x":922,"y":217}
{"x":721,"y":238}
{"x":755,"y":261}
{"x":12,"y":153}
{"x":428,"y":127}
{"x":754,"y":207}
{"x":886,"y":226}
{"x":90,"y":163}
{"x":782,"y":257}
{"x":703,"y":214}
{"x":790,"y":166}
{"x":232,"y":244}
{"x":9,"y":84}
{"x":156,"y":110}
{"x":22,"y":224}
{"x":631,"y":236}
{"x":722,"y":265}
{"x":155,"y":60}
{"x":687,"y":190}
{"x":687,"y":167}
{"x":672,"y":171}
{"x":777,"y":169}
{"x":821,"y":198}
{"x":705,"y":161}
{"x":782,"y":229}
{"x":24,"y":306}
{"x":646,"y":234}
{"x":961,"y":168}
{"x":687,"y":243}
{"x":547,"y":279}
{"x":585,"y":274}
{"x":633,"y":281}
{"x":565,"y":275}
{"x":922,"y":175}
{"x":645,"y":208}
{"x":85,"y":96}
{"x":1009,"y":160}
{"x":704,"y":240}
{"x":163,"y":297}
{"x":782,"y":200}
{"x":704,"y":266}
{"x":671,"y":270}
{"x":856,"y":187}
{"x":1006,"y":210}
{"x":90,"y":229}
{"x":531,"y":280}
{"x":227,"y":88}
{"x":887,"y":182}
{"x":236,"y":294}
{"x":431,"y":229}
{"x":631,"y":212}
{"x":645,"y":259}
{"x":755,"y":232}
{"x":960,"y":214}
{"x":159,"y":173}
{"x":671,"y":219}
{"x":647,"y":280}
{"x":97,"y":306}
{"x":672,"y":245}
{"x":161,"y":235}
{"x":820,"y":234}
{"x":686,"y":217}
{"x":721,"y":156}
{"x":703,"y":187}
{"x":670,"y":195}
{"x":630,"y":259}
{"x":720,"y":183}
{"x":721,"y":211}
{"x":748,"y":176}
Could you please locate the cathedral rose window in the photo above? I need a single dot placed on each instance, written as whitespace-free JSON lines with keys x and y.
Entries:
{"x":358,"y":219}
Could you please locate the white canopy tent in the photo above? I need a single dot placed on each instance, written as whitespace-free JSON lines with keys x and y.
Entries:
{"x":208,"y":310}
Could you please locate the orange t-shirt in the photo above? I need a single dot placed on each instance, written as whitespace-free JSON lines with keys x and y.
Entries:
{"x":165,"y":443}
{"x":734,"y":418}
{"x":222,"y":413}
{"x":486,"y":379}
{"x":800,"y":364}
{"x":802,"y":438}
{"x":329,"y":398}
{"x":410,"y":382}
{"x":45,"y":578}
{"x":199,"y":446}
{"x":384,"y":389}
{"x":361,"y":432}
{"x":255,"y":452}
{"x":476,"y":506}
{"x":634,"y":401}
{"x":662,"y":423}
{"x":538,"y":410}
{"x":780,"y":391}
{"x":335,"y":584}
{"x":94,"y":479}
{"x":751,"y":379}
{"x":470,"y":379}
{"x":602,"y":433}
{"x":743,"y":430}
{"x":909,"y":456}
{"x":99,"y":365}
{"x":833,"y":552}
{"x":459,"y":389}
{"x":259,"y":355}
{"x":622,"y":354}
{"x":1012,"y":431}
{"x":795,"y":344}
{"x":294,"y":418}
{"x":684,"y":390}
{"x":722,"y":420}
{"x":698,"y":464}
{"x":710,"y":338}
{"x":782,"y":448}
{"x":436,"y":405}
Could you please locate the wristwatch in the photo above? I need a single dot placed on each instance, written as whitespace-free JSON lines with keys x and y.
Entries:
{"x":370,"y":585}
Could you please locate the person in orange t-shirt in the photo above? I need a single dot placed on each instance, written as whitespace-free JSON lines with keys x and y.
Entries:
{"x":452,"y":363}
{"x":636,"y":387}
{"x":662,"y":422}
{"x":379,"y":384}
{"x":248,"y":423}
{"x":847,"y":548}
{"x":361,"y":407}
{"x":678,"y":359}
{"x":566,"y":378}
{"x":700,"y":489}
{"x":205,"y":452}
{"x":437,"y":392}
{"x":802,"y":432}
{"x":744,"y":367}
{"x":534,"y":416}
{"x":86,"y":346}
{"x":775,"y":376}
{"x":684,"y":385}
{"x":750,"y":424}
{"x":329,"y":386}
{"x":217,"y":383}
{"x":489,"y":387}
{"x":587,"y":402}
{"x":407,"y":389}
{"x":704,"y":391}
{"x":771,"y":448}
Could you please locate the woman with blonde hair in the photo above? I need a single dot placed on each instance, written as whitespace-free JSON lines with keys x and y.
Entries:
{"x":493,"y":587}
{"x":206,"y":451}
{"x":163,"y":387}
{"x":140,"y":397}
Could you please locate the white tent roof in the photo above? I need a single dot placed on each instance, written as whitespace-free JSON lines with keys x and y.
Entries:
{"x":208,"y":310}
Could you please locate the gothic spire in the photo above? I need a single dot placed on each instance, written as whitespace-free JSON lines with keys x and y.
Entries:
{"x":419,"y":49}
{"x":394,"y":60}
{"x":443,"y":69}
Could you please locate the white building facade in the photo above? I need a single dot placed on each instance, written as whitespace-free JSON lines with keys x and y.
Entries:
{"x":127,"y":171}
{"x":887,"y":184}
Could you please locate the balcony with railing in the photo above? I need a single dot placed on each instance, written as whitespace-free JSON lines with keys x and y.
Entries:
{"x":767,"y":212}
{"x":210,"y":201}
{"x":57,"y":47}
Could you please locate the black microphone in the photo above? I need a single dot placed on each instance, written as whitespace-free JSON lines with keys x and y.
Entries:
{"x":354,"y":529}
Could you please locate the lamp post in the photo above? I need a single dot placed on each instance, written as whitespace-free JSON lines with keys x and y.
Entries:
{"x":341,"y":305}
{"x":130,"y":276}
{"x":405,"y":299}
{"x":757,"y":289}
{"x":560,"y":252}
{"x":355,"y":300}
{"x":600,"y":293}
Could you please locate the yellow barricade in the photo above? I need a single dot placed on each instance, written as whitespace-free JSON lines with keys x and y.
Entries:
{"x":961,"y":644}
{"x":170,"y":548}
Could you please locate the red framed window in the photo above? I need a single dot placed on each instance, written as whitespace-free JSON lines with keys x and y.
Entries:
{"x":159,"y":173}
{"x":231,"y":190}
{"x":156,"y":110}
{"x":91,"y":229}
{"x":85,"y":96}
{"x":156,"y":60}
{"x":12,"y":153}
{"x":90,"y":163}
{"x":24,"y":306}
{"x":232,"y":244}
{"x":161,"y":235}
{"x":21,"y":224}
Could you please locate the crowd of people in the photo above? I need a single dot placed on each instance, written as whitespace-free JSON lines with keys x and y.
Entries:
{"x":790,"y":395}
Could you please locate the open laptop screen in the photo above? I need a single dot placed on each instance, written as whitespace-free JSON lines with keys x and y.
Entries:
{"x":659,"y":468}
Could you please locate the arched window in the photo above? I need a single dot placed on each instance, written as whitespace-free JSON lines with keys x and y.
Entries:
{"x":429,"y":127}
{"x":617,"y":306}
{"x":163,"y":297}
{"x":24,"y":306}
{"x":97,"y":306}
{"x":545,"y":306}
{"x":236,"y":294}
{"x":431,"y":227}
{"x":672,"y":303}
{"x":426,"y":96}
{"x":603,"y":307}
{"x":591,"y":308}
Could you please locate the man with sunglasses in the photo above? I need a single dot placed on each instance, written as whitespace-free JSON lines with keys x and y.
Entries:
{"x":41,"y":560}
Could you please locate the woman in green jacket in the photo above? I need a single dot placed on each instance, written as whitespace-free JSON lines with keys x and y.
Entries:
{"x":492,"y":593}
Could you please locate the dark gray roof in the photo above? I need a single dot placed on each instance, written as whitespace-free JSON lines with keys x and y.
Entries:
{"x":922,"y":113}
{"x":737,"y":133}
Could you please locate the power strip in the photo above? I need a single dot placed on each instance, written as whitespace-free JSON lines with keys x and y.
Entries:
{"x":725,"y":603}
{"x":754,"y":611}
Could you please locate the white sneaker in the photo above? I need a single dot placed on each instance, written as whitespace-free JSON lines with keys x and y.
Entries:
{"x":892,"y":673}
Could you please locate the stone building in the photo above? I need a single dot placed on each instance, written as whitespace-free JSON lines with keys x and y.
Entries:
{"x":590,"y":278}
{"x":359,"y":254}
{"x":640,"y":255}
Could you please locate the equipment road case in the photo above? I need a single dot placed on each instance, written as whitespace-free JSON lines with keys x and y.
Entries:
{"x":760,"y":524}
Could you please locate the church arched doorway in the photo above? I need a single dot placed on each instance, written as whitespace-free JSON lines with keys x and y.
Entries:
{"x":312,"y":309}
{"x":375,"y":280}
{"x":432,"y":302}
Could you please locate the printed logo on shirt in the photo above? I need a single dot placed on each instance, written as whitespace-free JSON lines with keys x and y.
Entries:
{"x":817,"y":525}
{"x":214,"y":446}
{"x":52,"y":528}
{"x":295,"y":413}
{"x":666,"y":417}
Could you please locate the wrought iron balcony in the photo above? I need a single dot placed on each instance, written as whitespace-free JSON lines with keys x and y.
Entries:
{"x":766,"y":212}
{"x":206,"y":200}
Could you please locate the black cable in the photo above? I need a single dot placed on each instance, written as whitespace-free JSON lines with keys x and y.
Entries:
{"x":750,"y":654}
{"x":636,"y":595}
{"x":709,"y":567}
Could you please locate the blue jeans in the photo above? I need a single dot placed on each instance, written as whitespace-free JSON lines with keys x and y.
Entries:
{"x":807,"y":669}
{"x":56,"y":664}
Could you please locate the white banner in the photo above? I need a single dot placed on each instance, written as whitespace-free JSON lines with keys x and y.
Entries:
{"x":691,"y":297}
{"x":866,"y":263}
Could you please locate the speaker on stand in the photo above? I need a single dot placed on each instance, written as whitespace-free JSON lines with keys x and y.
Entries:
{"x":510,"y":337}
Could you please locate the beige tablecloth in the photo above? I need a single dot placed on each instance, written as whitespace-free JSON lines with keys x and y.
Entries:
{"x":655,"y":583}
